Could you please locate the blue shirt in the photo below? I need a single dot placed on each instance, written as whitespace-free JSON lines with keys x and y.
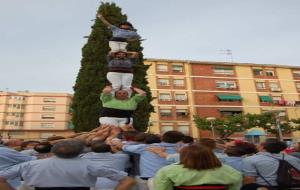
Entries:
{"x":10,"y":157}
{"x":121,"y":33}
{"x":58,"y":172}
{"x":233,"y":161}
{"x":118,"y":161}
{"x":267,"y":166}
{"x":150,"y":163}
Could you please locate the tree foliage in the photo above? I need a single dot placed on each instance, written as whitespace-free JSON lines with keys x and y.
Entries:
{"x":91,"y":78}
{"x":227,"y":126}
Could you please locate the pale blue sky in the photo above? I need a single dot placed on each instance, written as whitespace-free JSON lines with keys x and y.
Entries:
{"x":41,"y":40}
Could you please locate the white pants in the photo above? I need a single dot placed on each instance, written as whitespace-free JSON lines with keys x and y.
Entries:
{"x":116,"y":46}
{"x":120,"y":81}
{"x":116,"y":121}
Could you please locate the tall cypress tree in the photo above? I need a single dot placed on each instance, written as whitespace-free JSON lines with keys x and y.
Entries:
{"x":91,"y":78}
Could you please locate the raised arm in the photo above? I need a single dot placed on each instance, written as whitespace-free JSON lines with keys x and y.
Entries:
{"x":101,"y":17}
{"x":107,"y":90}
{"x":139,"y":91}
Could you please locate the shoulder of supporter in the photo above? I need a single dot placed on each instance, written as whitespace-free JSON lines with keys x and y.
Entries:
{"x":139,"y":148}
{"x":102,"y":171}
{"x":16,"y":170}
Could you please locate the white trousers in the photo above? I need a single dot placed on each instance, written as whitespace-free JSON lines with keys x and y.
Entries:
{"x":115,"y":121}
{"x":116,"y":46}
{"x":120,"y":81}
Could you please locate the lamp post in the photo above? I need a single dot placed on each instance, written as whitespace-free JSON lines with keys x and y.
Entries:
{"x":278,"y":114}
{"x":211,"y":120}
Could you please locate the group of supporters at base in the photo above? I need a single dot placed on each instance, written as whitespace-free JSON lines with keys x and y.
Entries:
{"x":141,"y":161}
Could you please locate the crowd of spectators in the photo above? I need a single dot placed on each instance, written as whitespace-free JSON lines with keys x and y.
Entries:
{"x":110,"y":158}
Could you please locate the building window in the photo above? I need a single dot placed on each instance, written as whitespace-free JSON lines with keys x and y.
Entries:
{"x":163,"y":82}
{"x":17,"y":97}
{"x":270,"y":73}
{"x":48,"y":116}
{"x":178,"y":82}
{"x":162,"y":67}
{"x":166,"y":128}
{"x":181,"y":112}
{"x":274,"y":87}
{"x":296,"y":73}
{"x":49,"y":108}
{"x":18,"y":114}
{"x":224,"y":70}
{"x":15,"y":123}
{"x":177,"y":68}
{"x":230,"y":113}
{"x":276,"y":99}
{"x":16,"y":133}
{"x":180,"y":97}
{"x":258,"y":72}
{"x":260,"y":85}
{"x":226,"y":84}
{"x":298,"y":85}
{"x":184,"y":129}
{"x":49,"y":100}
{"x":47,"y":125}
{"x":165,"y":112}
{"x":164,"y":97}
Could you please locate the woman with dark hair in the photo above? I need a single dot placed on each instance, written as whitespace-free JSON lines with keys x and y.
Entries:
{"x":198,"y":166}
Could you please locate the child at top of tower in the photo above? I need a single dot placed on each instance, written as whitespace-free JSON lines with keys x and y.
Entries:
{"x":120,"y":35}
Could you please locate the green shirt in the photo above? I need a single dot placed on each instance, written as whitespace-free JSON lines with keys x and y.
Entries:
{"x":175,"y":175}
{"x":110,"y":101}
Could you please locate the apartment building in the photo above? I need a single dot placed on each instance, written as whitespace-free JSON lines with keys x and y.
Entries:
{"x":217,"y":89}
{"x":32,"y":115}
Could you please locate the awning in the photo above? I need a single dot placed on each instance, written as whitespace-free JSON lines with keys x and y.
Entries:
{"x":265,"y":99}
{"x":255,"y":131}
{"x":229,"y":97}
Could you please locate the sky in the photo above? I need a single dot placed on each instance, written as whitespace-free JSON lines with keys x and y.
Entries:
{"x":41,"y":40}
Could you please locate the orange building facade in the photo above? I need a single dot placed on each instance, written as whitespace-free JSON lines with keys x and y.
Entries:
{"x":31,"y":115}
{"x":217,"y":89}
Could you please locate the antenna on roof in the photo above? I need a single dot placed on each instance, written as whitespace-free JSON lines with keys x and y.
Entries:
{"x":227,"y":52}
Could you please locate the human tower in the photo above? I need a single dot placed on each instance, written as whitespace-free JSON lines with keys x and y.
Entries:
{"x":118,"y":100}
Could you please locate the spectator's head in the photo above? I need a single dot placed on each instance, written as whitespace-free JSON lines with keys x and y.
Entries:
{"x":14,"y":143}
{"x":188,"y":139}
{"x":234,"y":151}
{"x":296,"y":146}
{"x":209,"y":143}
{"x":274,"y":146}
{"x":100,"y":147}
{"x":247,"y":147}
{"x":126,"y":26}
{"x":172,"y":137}
{"x":121,"y":95}
{"x":229,"y":142}
{"x":28,"y":144}
{"x":68,"y":148}
{"x":140,"y":137}
{"x":198,"y":157}
{"x":129,"y":135}
{"x":43,"y":147}
{"x":152,"y":138}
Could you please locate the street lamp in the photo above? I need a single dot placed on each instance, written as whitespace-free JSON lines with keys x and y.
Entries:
{"x":278,"y":114}
{"x":211,"y":120}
